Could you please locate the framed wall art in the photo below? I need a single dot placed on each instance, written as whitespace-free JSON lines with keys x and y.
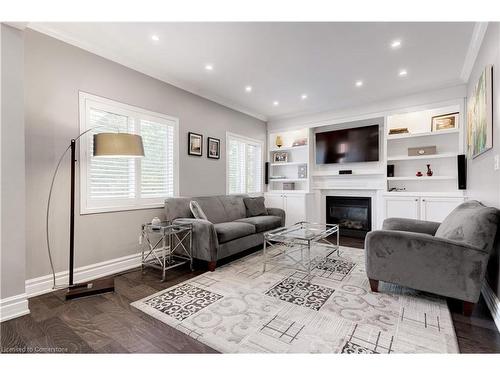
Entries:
{"x":480,"y":115}
{"x":195,"y":144}
{"x":213,"y":148}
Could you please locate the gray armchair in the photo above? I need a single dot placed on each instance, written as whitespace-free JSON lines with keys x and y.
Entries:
{"x":448,"y":259}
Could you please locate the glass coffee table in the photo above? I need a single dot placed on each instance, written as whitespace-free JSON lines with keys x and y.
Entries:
{"x":300,"y":237}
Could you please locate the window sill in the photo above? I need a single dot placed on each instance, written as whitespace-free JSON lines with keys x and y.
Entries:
{"x":107,"y":210}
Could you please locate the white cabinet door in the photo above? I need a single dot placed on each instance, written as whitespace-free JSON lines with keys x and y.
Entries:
{"x":436,"y":209}
{"x":295,"y":208}
{"x":407,"y":207}
{"x":274,"y":201}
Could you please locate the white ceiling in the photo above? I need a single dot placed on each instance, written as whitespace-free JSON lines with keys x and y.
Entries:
{"x":282,"y":61}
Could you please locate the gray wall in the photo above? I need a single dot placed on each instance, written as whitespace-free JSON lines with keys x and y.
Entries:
{"x":13,"y":260}
{"x":54,"y":73}
{"x":482,"y":180}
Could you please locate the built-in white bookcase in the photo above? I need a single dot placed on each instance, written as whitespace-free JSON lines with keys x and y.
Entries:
{"x":297,"y":159}
{"x":443,"y":164}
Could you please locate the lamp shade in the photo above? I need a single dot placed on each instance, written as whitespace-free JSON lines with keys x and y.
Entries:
{"x":118,"y":144}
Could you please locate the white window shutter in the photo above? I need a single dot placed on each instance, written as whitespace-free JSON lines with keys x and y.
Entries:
{"x":112,"y":184}
{"x":108,"y":178}
{"x":157,"y":172}
{"x":244,"y":165}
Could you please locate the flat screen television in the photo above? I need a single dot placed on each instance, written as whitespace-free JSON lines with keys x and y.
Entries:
{"x":348,"y":145}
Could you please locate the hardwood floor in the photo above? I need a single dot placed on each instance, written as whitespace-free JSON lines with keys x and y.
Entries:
{"x":108,"y":324}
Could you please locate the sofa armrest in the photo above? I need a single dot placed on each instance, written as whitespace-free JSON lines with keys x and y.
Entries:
{"x":277,"y":212}
{"x":205,"y":244}
{"x":427,"y":263}
{"x":411,"y":225}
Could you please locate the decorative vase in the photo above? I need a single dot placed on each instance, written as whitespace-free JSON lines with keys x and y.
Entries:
{"x":429,"y":170}
{"x":279,"y":141}
{"x":419,"y":174}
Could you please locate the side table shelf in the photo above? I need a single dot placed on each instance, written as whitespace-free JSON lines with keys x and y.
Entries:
{"x":165,"y":246}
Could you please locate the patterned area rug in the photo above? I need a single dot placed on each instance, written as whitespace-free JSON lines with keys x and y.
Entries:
{"x":239,"y":309}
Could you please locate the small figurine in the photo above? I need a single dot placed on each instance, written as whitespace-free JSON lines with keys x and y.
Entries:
{"x":429,"y":170}
{"x":419,"y":174}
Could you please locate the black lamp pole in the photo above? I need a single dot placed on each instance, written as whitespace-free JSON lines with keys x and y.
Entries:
{"x":72,"y":214}
{"x":90,"y":288}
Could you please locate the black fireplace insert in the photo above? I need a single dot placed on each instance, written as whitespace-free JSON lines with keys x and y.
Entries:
{"x":352,"y":214}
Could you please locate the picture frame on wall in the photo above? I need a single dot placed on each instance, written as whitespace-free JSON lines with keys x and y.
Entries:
{"x":213,"y":148}
{"x":480,"y":115}
{"x":195,"y":144}
{"x":448,"y":121}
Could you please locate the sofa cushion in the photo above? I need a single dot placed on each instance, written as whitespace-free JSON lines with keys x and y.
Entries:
{"x":471,"y":223}
{"x":197,"y":211}
{"x":262,"y":223}
{"x":213,"y":208}
{"x":233,"y":230}
{"x":177,"y":208}
{"x":234,"y":206}
{"x":255,"y":206}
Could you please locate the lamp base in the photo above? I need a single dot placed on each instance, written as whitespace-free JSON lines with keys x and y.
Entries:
{"x":90,"y":289}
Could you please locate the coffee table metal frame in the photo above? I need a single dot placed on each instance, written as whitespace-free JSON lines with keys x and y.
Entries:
{"x":300,"y":237}
{"x":168,"y":250}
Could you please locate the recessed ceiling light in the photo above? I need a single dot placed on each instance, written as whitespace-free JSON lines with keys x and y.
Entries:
{"x":248,"y":88}
{"x":403,"y":73}
{"x":396,"y":44}
{"x":276,"y":103}
{"x":359,"y":83}
{"x":209,"y":67}
{"x":155,"y":38}
{"x":303,"y":96}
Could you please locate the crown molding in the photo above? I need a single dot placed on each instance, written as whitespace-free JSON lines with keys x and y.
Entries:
{"x":17,"y":25}
{"x":473,"y":50}
{"x":144,"y":69}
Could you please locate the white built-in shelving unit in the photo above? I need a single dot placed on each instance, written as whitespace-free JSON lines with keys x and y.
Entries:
{"x":298,"y":157}
{"x":425,"y":197}
{"x":443,"y":163}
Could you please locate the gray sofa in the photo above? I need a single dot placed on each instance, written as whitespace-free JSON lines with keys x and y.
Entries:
{"x":228,"y":230}
{"x":447,"y":258}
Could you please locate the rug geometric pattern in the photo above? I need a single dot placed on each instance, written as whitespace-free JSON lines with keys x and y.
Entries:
{"x":239,"y":309}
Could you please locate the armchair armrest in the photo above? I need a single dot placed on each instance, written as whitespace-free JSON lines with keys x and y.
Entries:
{"x":205,"y":243}
{"x":427,"y":263}
{"x":277,"y":212}
{"x":411,"y":225}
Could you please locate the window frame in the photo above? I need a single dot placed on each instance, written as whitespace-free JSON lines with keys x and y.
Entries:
{"x":87,"y":101}
{"x":249,"y":140}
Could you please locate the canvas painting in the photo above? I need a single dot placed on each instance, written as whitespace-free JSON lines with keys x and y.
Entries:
{"x":480,"y":115}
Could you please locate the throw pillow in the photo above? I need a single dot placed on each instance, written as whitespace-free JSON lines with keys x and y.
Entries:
{"x":197,"y":211}
{"x":255,"y":206}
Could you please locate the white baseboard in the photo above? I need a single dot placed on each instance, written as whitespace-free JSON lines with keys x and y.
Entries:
{"x":13,"y":307}
{"x":43,"y":284}
{"x":493,"y":303}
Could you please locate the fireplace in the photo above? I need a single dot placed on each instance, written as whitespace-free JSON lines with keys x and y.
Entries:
{"x":352,"y":214}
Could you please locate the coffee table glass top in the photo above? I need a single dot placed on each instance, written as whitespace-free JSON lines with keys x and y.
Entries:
{"x":303,"y":231}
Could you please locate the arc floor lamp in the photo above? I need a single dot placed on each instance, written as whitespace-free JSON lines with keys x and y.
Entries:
{"x":105,"y":145}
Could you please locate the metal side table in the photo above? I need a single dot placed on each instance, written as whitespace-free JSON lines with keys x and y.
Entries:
{"x":164,"y":246}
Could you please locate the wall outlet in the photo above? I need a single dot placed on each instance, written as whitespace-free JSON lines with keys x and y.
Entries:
{"x":496,"y":165}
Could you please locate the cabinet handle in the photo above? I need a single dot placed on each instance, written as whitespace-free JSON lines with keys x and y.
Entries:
{"x":416,"y":199}
{"x":423,"y":200}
